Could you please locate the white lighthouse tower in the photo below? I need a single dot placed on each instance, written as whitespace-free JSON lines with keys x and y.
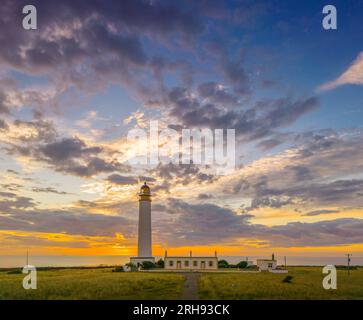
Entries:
{"x":144,"y":250}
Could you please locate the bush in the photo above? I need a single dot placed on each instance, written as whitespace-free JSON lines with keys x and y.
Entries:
{"x":223,"y":264}
{"x":132,"y":266}
{"x":287,"y":279}
{"x":160,"y":263}
{"x":15,"y":272}
{"x":146,"y":265}
{"x":346,"y":267}
{"x":242,"y":265}
{"x":118,"y":269}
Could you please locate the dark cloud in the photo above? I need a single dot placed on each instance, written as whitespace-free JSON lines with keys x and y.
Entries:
{"x":313,"y":173}
{"x":273,"y":141}
{"x":67,"y":222}
{"x":204,"y":196}
{"x":269,"y":144}
{"x":68,"y":148}
{"x":210,"y":224}
{"x":76,"y":41}
{"x":179,"y":174}
{"x":41,"y":131}
{"x":215,"y":93}
{"x":257,"y":122}
{"x":200,"y":224}
{"x":319,"y":212}
{"x":121,"y":180}
{"x":70,"y":155}
{"x":49,"y":190}
{"x":322,"y":233}
{"x":73,"y":156}
{"x":11,"y":202}
{"x":3,"y":125}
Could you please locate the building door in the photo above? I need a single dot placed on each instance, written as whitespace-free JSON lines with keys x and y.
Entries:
{"x":178,"y":264}
{"x":202,"y":265}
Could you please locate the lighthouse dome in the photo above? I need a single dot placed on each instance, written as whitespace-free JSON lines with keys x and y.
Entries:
{"x":145,"y":189}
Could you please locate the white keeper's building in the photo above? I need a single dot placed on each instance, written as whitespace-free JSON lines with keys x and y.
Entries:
{"x":190,"y":263}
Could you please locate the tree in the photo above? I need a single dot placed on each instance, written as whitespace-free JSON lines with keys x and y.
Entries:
{"x":160,"y":263}
{"x":132,"y":266}
{"x":118,"y":269}
{"x":242,"y":264}
{"x":146,"y":265}
{"x":223,"y":264}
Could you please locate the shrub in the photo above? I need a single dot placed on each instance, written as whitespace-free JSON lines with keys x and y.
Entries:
{"x":15,"y":272}
{"x":160,"y":263}
{"x":118,"y":269}
{"x":287,"y":279}
{"x":242,"y":265}
{"x":146,"y":265}
{"x":223,"y":264}
{"x":132,"y":266}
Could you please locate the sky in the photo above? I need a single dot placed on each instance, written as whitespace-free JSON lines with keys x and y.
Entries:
{"x":71,"y":91}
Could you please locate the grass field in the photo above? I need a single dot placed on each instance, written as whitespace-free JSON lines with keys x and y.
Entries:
{"x":306,"y":284}
{"x":93,"y":284}
{"x":102,"y":283}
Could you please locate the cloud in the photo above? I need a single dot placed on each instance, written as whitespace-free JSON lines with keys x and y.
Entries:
{"x":316,"y":172}
{"x":319,"y":212}
{"x":121,"y":180}
{"x":201,"y":224}
{"x":216,"y":93}
{"x":204,"y":196}
{"x":3,"y":125}
{"x":61,"y":221}
{"x":68,"y":148}
{"x":49,"y":190}
{"x":40,"y":141}
{"x":210,"y":224}
{"x":322,"y":233}
{"x":257,"y":122}
{"x":89,"y":45}
{"x":353,"y":75}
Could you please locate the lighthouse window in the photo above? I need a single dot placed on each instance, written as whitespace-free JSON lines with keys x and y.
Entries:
{"x":186,"y":263}
{"x":171,"y":263}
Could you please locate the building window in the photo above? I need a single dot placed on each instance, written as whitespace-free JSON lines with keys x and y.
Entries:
{"x":195,"y":263}
{"x":270,"y":265}
{"x":211,"y":263}
{"x":171,"y":263}
{"x":186,"y":263}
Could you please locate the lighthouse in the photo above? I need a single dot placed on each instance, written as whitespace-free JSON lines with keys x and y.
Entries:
{"x":144,"y":244}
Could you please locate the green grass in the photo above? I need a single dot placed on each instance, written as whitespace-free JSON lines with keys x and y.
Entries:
{"x":102,"y":283}
{"x":93,"y":284}
{"x":305,"y":284}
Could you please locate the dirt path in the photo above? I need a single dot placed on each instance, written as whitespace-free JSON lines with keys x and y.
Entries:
{"x":190,"y":290}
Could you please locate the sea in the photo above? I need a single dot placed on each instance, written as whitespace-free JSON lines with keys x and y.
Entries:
{"x":75,"y":261}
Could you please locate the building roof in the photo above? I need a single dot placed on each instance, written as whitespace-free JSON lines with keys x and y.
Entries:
{"x":266,"y":260}
{"x":188,"y":257}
